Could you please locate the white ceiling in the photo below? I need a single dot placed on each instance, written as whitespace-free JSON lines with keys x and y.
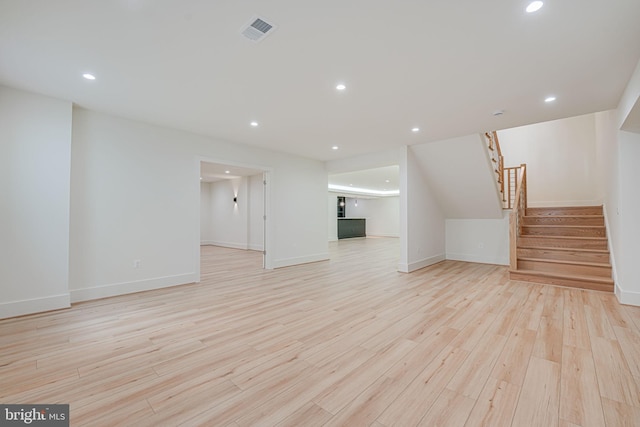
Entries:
{"x":212,"y":172}
{"x":376,"y":182}
{"x":444,"y":66}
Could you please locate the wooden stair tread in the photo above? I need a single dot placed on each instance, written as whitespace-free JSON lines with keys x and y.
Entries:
{"x":551,"y":236}
{"x":565,"y":216}
{"x":557,"y":248}
{"x":564,"y":246}
{"x":560,"y":261}
{"x":566,"y":208}
{"x":577,"y":277}
{"x":562,"y":225}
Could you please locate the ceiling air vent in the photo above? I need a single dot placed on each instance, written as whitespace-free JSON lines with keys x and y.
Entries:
{"x":257,"y":29}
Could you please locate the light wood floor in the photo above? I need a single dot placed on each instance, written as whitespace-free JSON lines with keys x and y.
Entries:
{"x":346,"y":342}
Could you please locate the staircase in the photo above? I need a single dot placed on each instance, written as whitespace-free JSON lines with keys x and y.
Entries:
{"x":563,"y":246}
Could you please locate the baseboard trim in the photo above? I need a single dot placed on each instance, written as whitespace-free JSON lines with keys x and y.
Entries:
{"x":36,"y":305}
{"x":477,"y":258}
{"x":287,"y":262}
{"x":231,"y":245}
{"x":115,"y":289}
{"x":626,"y":297}
{"x":417,"y":265}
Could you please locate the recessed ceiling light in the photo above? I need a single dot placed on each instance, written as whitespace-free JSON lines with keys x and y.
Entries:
{"x":89,"y":76}
{"x":415,"y":129}
{"x":335,"y":147}
{"x":534,"y":6}
{"x":254,"y":124}
{"x":341,"y":87}
{"x":386,"y":180}
{"x":550,"y":99}
{"x":227,"y":171}
{"x":200,"y":178}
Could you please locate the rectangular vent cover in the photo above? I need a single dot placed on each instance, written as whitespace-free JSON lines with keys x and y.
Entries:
{"x":257,"y":29}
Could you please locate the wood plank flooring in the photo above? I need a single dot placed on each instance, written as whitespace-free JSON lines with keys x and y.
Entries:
{"x":347,"y":342}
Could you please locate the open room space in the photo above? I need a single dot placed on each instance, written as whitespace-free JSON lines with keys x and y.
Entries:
{"x":283,"y":213}
{"x":344,"y":342}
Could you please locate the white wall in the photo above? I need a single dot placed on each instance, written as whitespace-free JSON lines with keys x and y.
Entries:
{"x":422,"y":222}
{"x":35,"y":154}
{"x":478,"y":240}
{"x":460,"y":173}
{"x":255,"y":187}
{"x":382,"y":214}
{"x":234,"y":225}
{"x":628,"y":252}
{"x":332,"y":215}
{"x":560,"y":157}
{"x":618,"y":154}
{"x":136,"y":194}
{"x":607,"y":182}
{"x":230,"y":220}
{"x":206,"y":222}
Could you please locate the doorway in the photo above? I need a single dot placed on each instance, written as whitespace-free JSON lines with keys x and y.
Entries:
{"x":233,"y":208}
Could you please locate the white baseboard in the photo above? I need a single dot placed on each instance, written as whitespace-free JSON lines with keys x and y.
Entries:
{"x":626,"y":297}
{"x":287,"y":262}
{"x":232,"y":245}
{"x":114,"y":289}
{"x":382,"y":235}
{"x":417,"y":265}
{"x":250,"y":247}
{"x":255,"y":247}
{"x":37,"y":305}
{"x":482,"y":259}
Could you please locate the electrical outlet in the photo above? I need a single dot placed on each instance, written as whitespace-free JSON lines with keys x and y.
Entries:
{"x":136,"y":263}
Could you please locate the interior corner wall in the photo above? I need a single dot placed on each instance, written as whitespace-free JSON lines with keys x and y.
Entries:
{"x":619,"y":155}
{"x":628,"y":251}
{"x":422,"y":222}
{"x":560,"y":157}
{"x":135,"y":193}
{"x":255,"y":187}
{"x":332,"y":216}
{"x":35,"y":156}
{"x":206,"y":221}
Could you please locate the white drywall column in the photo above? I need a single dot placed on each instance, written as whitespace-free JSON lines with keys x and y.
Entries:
{"x":629,"y":212}
{"x":35,"y":159}
{"x":422,"y":223}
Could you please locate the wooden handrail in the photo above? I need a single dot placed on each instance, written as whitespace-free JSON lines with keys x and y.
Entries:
{"x":515,"y":196}
{"x":516,"y":214}
{"x":494,"y":147}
